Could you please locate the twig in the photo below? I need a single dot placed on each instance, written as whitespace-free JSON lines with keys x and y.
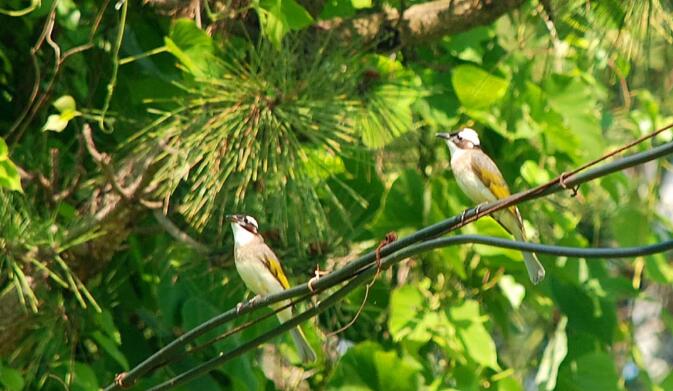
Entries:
{"x":390,"y":237}
{"x":104,"y":161}
{"x":30,"y":109}
{"x":115,"y":65}
{"x":178,"y":234}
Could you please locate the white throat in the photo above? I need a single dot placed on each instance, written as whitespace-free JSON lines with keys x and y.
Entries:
{"x":454,"y":151}
{"x":241,"y":235}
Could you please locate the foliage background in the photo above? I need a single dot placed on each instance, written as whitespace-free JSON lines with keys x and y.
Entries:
{"x":264,"y":107}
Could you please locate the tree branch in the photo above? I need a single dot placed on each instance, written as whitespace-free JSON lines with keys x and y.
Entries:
{"x":365,"y":262}
{"x":421,"y":22}
{"x":410,"y":251}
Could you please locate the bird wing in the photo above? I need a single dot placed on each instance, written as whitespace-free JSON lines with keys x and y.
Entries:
{"x":271,"y":262}
{"x":490,"y":176}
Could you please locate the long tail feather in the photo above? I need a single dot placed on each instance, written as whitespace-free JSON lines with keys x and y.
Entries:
{"x":513,"y":224}
{"x":535,"y":269}
{"x":305,"y":351}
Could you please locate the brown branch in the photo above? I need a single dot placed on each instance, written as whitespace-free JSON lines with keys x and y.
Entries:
{"x":421,"y":22}
{"x":178,"y":234}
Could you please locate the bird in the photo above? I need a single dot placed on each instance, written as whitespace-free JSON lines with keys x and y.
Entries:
{"x":480,"y":179}
{"x":263,"y":274}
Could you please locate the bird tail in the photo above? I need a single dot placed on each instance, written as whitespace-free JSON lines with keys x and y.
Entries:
{"x":535,"y":269}
{"x":512,"y":222}
{"x":305,"y":351}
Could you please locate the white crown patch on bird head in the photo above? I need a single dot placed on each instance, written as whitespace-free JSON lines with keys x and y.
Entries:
{"x":470,"y":135}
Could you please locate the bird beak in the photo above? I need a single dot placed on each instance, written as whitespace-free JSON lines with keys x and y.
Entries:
{"x":445,"y":136}
{"x":232,"y":218}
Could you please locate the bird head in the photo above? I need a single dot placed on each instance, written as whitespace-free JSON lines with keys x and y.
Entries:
{"x":245,"y":228}
{"x":463,"y":139}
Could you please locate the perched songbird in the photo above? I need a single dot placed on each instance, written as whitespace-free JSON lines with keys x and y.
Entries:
{"x":262,"y":273}
{"x":480,"y":179}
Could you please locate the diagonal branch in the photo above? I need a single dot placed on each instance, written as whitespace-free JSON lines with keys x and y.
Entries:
{"x":407,"y":252}
{"x":365,"y":263}
{"x":421,"y":22}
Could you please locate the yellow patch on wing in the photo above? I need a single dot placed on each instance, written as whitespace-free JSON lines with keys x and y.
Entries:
{"x":490,"y":176}
{"x":277,"y":270}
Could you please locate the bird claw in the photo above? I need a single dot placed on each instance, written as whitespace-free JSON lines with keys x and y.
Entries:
{"x":239,"y":306}
{"x":119,"y":380}
{"x":462,"y":217}
{"x":563,"y":184}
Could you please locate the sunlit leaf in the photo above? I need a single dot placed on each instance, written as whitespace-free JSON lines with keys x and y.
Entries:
{"x":473,"y":335}
{"x":9,"y":174}
{"x":192,"y":47}
{"x":593,"y":371}
{"x":553,"y":356}
{"x":278,"y":17}
{"x":368,"y":367}
{"x":65,"y":103}
{"x":84,"y":378}
{"x":477,"y":88}
{"x":11,"y":379}
{"x":514,"y":291}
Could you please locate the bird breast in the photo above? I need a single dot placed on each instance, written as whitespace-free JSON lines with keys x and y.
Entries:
{"x":468,"y":181}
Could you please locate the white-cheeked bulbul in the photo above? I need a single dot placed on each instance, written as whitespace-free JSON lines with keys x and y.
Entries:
{"x":479,"y":178}
{"x":263,"y":274}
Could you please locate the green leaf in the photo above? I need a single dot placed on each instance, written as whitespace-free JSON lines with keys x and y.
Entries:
{"x":476,"y":88}
{"x":4,"y":149}
{"x":11,"y":379}
{"x":628,"y":233}
{"x":395,"y":373}
{"x":658,"y":269}
{"x":367,"y":367}
{"x":55,"y":123}
{"x":514,"y":292}
{"x":410,"y":318}
{"x":196,"y":311}
{"x":533,"y":173}
{"x":553,"y":356}
{"x":67,"y":109}
{"x":508,"y":384}
{"x":473,"y":335}
{"x":593,"y":371}
{"x":575,"y":100}
{"x":402,"y":205}
{"x":359,"y":4}
{"x":278,"y":17}
{"x":65,"y":103}
{"x":84,"y":378}
{"x":110,"y":347}
{"x":9,"y":174}
{"x":586,"y":312}
{"x":193,"y":48}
